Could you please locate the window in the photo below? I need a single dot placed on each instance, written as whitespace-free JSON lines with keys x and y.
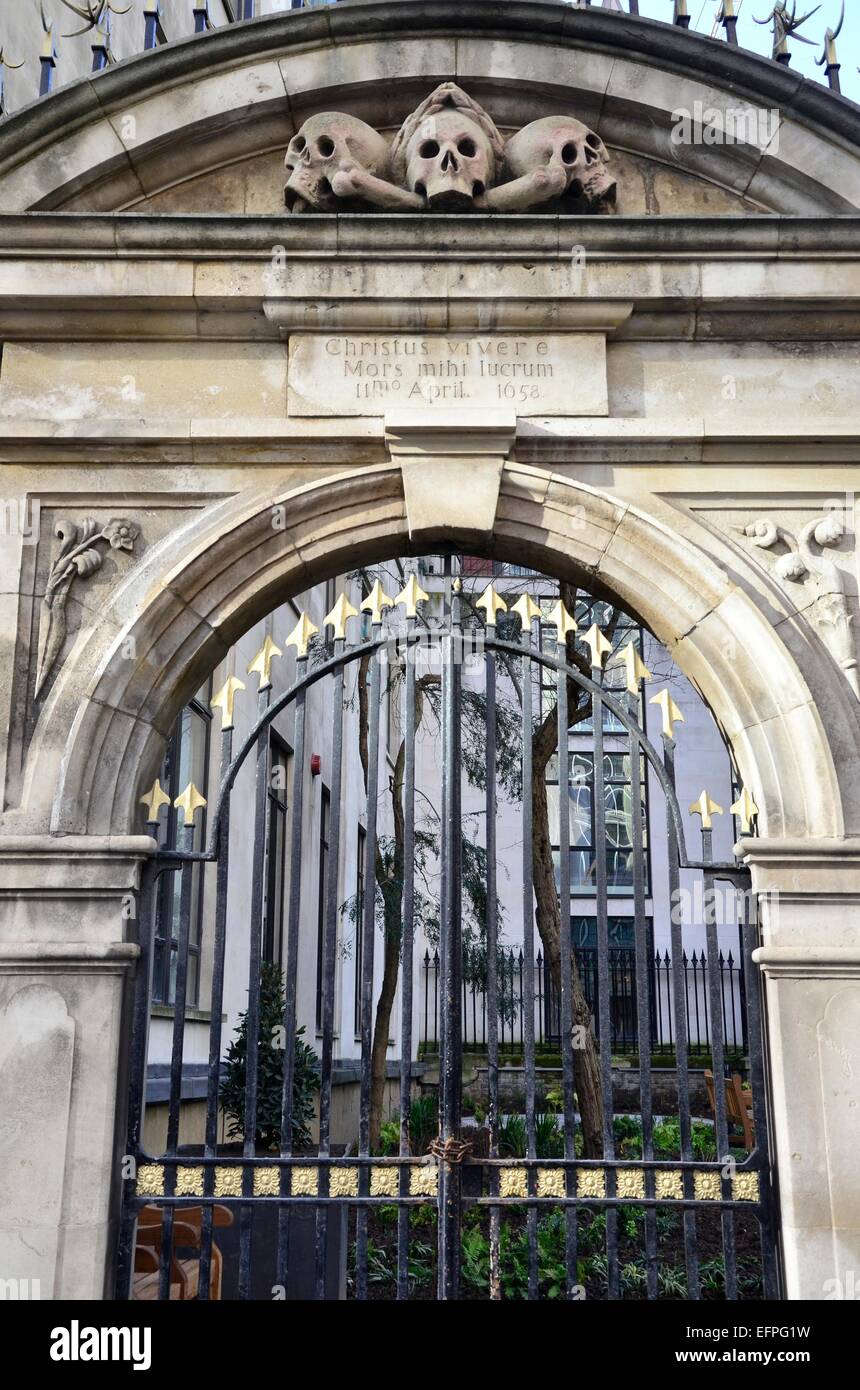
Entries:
{"x":617,"y":797}
{"x":359,"y":921}
{"x":187,"y":760}
{"x":622,"y":972}
{"x":614,"y":678}
{"x":280,"y":763}
{"x":325,"y":815}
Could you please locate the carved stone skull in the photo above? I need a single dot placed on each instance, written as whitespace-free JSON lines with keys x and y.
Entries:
{"x":328,"y":144}
{"x":450,"y":160}
{"x":567,"y":147}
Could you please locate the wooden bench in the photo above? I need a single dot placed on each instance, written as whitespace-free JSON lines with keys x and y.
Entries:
{"x":184,"y":1267}
{"x":738,"y":1106}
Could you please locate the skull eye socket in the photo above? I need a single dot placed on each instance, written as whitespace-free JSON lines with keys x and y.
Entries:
{"x":325,"y":146}
{"x":568,"y":153}
{"x":428,"y":149}
{"x":467,"y":147}
{"x":593,"y":140}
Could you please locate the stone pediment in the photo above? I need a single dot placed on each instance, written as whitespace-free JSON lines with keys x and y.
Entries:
{"x":203,"y":125}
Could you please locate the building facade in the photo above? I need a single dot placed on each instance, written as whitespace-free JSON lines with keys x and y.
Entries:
{"x":588,"y":349}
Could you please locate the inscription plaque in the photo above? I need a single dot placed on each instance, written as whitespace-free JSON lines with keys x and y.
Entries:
{"x":372,"y":373}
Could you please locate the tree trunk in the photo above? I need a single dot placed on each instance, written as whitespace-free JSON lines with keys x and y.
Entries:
{"x":391,"y":887}
{"x":586,"y":1066}
{"x":381,"y":1034}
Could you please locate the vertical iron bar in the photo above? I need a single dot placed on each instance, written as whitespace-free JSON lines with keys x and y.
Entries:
{"x":175,"y":1102}
{"x":451,"y":935}
{"x":492,"y":996}
{"x":328,"y":972}
{"x":408,"y":944}
{"x":368,"y":945}
{"x":719,"y":1061}
{"x":767,"y":1219}
{"x":680,"y":999}
{"x":604,"y":1021}
{"x":216,"y":1003}
{"x":642,"y":953}
{"x":528,"y":976}
{"x":565,"y":971}
{"x":292,"y":963}
{"x":137,"y":1072}
{"x":249,"y":1138}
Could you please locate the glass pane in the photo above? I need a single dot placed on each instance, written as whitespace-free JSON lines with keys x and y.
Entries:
{"x":581,"y":869}
{"x":619,"y":821}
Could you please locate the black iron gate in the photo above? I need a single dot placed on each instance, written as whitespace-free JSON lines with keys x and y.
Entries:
{"x":176,"y":1202}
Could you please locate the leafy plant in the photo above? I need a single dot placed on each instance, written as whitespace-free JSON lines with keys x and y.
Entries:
{"x":633,"y":1277}
{"x":667,"y":1220}
{"x":549,"y":1139}
{"x":475,"y":1264}
{"x":704,"y":1140}
{"x":672,"y":1282}
{"x":712,"y":1275}
{"x":667,"y":1138}
{"x":270,"y":1070}
{"x":592,"y":1235}
{"x":423,"y":1124}
{"x":389,"y":1138}
{"x":597,"y":1268}
{"x":512,"y":1136}
{"x":630,"y":1219}
{"x":554,"y":1101}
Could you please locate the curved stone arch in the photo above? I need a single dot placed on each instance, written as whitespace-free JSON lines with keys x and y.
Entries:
{"x":199,"y":590}
{"x":110,"y":141}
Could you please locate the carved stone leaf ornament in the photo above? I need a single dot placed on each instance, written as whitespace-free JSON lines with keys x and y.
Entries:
{"x":448,"y":156}
{"x":79,"y":558}
{"x":801,"y":564}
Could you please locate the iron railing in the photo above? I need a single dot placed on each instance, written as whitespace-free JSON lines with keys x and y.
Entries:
{"x":622,"y":1002}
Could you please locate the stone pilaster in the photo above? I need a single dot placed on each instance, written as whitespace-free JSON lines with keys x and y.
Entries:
{"x":810,"y":958}
{"x":67,"y":953}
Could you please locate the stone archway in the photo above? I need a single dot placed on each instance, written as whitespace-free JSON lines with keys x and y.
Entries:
{"x":769,"y":297}
{"x":199,"y":591}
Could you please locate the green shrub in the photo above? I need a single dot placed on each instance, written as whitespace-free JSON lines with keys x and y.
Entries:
{"x":423,"y":1124}
{"x":512,"y":1136}
{"x":270,"y":1071}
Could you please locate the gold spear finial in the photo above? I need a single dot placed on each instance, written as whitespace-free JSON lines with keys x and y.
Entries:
{"x":745,"y":808}
{"x":595,"y":640}
{"x":155,"y":798}
{"x":526,"y":609}
{"x":338,"y":616}
{"x":224,"y":700}
{"x":492,"y":604}
{"x":262,"y":664}
{"x":705,"y":808}
{"x":189,"y":803}
{"x":375,"y":602}
{"x":669,"y":710}
{"x":411,"y":595}
{"x":301,"y":635}
{"x":636,"y":669}
{"x":829,"y":58}
{"x":562,"y":621}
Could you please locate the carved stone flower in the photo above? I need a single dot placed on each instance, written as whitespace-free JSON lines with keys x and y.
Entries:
{"x":830,"y":530}
{"x":121,"y":534}
{"x":791,"y":566}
